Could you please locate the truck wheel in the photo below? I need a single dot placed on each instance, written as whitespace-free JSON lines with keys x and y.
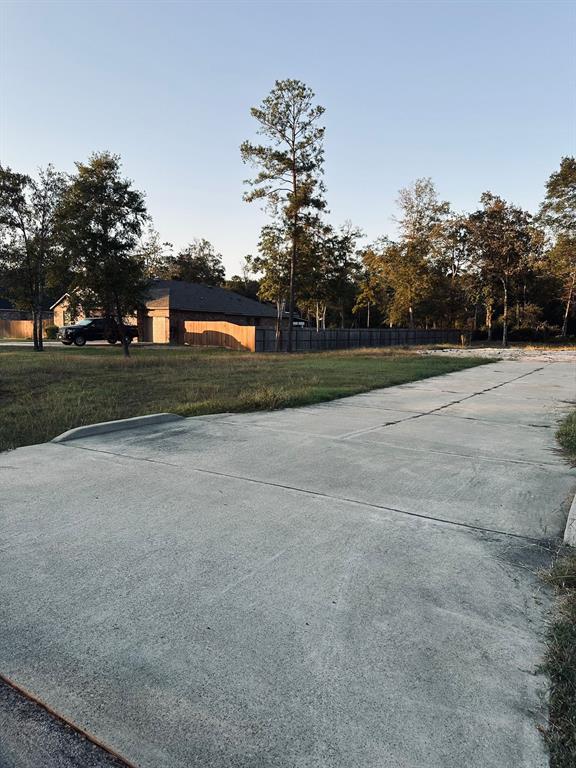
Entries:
{"x":67,"y":343}
{"x":128,"y":339}
{"x":79,"y":340}
{"x":111,"y":340}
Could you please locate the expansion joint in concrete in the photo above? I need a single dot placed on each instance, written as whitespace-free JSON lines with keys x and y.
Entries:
{"x":318,"y":494}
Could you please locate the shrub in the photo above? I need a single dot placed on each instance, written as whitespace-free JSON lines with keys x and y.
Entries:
{"x":51,"y":331}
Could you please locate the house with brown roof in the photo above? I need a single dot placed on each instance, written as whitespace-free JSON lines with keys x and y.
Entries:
{"x":171,"y":302}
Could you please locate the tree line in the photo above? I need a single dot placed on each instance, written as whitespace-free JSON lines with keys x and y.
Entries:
{"x":89,"y":233}
{"x":498,"y":269}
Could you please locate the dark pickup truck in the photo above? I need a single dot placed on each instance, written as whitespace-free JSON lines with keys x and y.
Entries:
{"x":95,"y":329}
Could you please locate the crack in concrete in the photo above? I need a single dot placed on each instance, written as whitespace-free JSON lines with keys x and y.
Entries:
{"x":448,"y":405}
{"x":308,"y":492}
{"x":340,"y":438}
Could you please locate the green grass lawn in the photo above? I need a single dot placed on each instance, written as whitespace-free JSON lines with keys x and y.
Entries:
{"x":45,"y":393}
{"x":560,"y":660}
{"x":560,"y":663}
{"x":566,"y":436}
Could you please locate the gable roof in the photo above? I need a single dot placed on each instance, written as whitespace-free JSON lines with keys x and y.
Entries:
{"x":7,"y":304}
{"x":197,"y":297}
{"x":60,"y":300}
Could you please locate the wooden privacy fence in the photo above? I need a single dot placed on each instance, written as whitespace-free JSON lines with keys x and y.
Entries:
{"x":198,"y":333}
{"x":257,"y":339}
{"x":19,"y":329}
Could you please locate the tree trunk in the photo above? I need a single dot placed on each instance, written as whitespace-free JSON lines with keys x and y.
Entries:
{"x":368,"y":316}
{"x":35,"y":329}
{"x":524,"y":303}
{"x":564,"y":331}
{"x":505,"y":315}
{"x":291,"y":288}
{"x":279,"y":313}
{"x":294,"y":244}
{"x":39,"y":332}
{"x":317,"y":317}
{"x":411,"y":317}
{"x":40,"y":313}
{"x":489,"y":319}
{"x":120,"y":321}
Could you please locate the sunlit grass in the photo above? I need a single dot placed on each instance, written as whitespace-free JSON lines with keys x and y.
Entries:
{"x":44,"y":394}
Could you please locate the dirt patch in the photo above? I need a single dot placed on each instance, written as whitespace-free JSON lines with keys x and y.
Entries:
{"x":524,"y":354}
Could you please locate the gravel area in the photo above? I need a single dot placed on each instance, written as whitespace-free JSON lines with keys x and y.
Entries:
{"x":527,"y":354}
{"x":30,"y":737}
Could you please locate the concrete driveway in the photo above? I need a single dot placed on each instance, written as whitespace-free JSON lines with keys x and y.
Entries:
{"x":350,"y":584}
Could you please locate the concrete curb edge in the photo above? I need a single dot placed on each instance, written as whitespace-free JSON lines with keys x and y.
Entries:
{"x":570,"y":530}
{"x":115,"y":426}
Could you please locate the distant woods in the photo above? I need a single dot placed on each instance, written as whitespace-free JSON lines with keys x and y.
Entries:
{"x":499,"y":272}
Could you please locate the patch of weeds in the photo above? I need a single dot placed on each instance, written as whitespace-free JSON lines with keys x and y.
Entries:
{"x":265,"y":398}
{"x":566,"y":435}
{"x":560,"y":663}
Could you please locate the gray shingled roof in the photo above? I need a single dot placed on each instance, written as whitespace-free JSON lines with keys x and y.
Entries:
{"x":7,"y":304}
{"x":197,"y":297}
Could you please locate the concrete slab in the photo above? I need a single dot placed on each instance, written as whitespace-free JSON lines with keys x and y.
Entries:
{"x":413,"y":401}
{"x":270,"y":590}
{"x":195,"y":620}
{"x":480,"y":439}
{"x":337,"y":419}
{"x":507,"y":408}
{"x":527,"y":499}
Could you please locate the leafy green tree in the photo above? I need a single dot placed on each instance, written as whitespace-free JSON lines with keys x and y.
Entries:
{"x":405,"y":266}
{"x":158,"y":256}
{"x":314,"y":287}
{"x":199,"y":263}
{"x":558,"y":214}
{"x":244,"y":286}
{"x":450,"y":259}
{"x":372,"y":289}
{"x":405,"y":270}
{"x":101,"y":219}
{"x":503,"y":238}
{"x":28,"y":243}
{"x":290,"y":166}
{"x":245,"y":283}
{"x":420,"y":213}
{"x":399,"y":278}
{"x":273,"y":262}
{"x":342,"y":268}
{"x":560,"y":261}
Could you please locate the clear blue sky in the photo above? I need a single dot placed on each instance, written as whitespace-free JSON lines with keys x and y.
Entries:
{"x":476,"y":95}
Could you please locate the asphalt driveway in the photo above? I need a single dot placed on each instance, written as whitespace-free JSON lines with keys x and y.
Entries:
{"x":350,"y":584}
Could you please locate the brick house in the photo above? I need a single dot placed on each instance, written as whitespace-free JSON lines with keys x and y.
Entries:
{"x":171,"y":302}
